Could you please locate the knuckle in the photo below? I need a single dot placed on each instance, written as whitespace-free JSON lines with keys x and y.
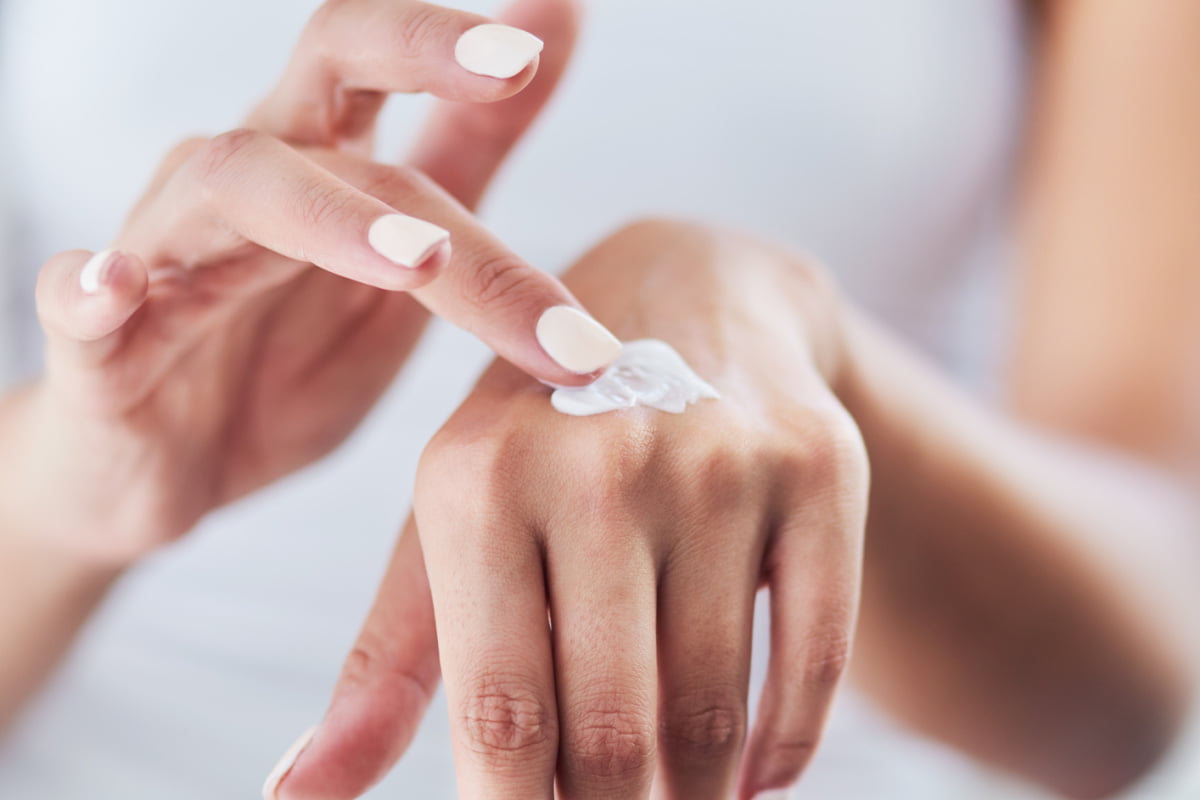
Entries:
{"x":394,"y":184}
{"x":832,"y":452}
{"x":723,"y":478}
{"x":704,"y":726}
{"x":319,"y":206}
{"x":506,"y":718}
{"x":182,"y":152}
{"x":323,"y":18}
{"x":495,"y":449}
{"x":827,"y":658}
{"x":613,"y":482}
{"x":622,"y":463}
{"x":218,"y":158}
{"x":660,"y":231}
{"x":476,"y":461}
{"x":361,"y":666}
{"x":420,"y":28}
{"x":499,"y":280}
{"x":612,"y":740}
{"x":373,"y":662}
{"x":788,"y":754}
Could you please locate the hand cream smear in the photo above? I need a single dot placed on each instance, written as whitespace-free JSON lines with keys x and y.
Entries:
{"x":648,"y":372}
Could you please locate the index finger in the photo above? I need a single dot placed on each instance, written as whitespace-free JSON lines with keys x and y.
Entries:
{"x":381,"y":695}
{"x":353,"y":53}
{"x":525,"y":315}
{"x":490,"y":601}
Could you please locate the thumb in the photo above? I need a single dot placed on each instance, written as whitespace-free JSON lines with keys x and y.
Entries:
{"x":84,"y":298}
{"x":382,"y":694}
{"x":84,"y":303}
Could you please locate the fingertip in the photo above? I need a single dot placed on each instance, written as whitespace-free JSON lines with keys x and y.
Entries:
{"x":113,"y":272}
{"x":95,"y":271}
{"x":487,"y":62}
{"x":283,"y":768}
{"x":408,"y":279}
{"x":576,"y":342}
{"x":498,"y":51}
{"x":464,"y":86}
{"x":87,"y":296}
{"x":427,"y":270}
{"x":113,"y":285}
{"x":769,"y":766}
{"x":127,"y":277}
{"x":365,"y":732}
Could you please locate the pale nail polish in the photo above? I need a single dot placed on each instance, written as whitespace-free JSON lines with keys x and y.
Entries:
{"x":405,"y":240}
{"x":92,"y":274}
{"x":577,"y":342}
{"x":285,"y":765}
{"x":496,"y":51}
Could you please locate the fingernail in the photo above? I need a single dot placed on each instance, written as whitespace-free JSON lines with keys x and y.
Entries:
{"x":406,"y":240}
{"x":285,"y":765}
{"x":91,"y":277}
{"x":496,"y":51}
{"x":577,"y":342}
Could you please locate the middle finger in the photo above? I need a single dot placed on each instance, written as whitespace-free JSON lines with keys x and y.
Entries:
{"x":354,"y":52}
{"x":602,"y":584}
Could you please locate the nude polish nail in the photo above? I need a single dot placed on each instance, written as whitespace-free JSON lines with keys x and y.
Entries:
{"x":496,"y":51}
{"x":406,"y":240}
{"x":91,"y":277}
{"x":774,"y":794}
{"x":281,"y":770}
{"x":577,"y":342}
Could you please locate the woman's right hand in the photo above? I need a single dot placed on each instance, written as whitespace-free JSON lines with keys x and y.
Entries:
{"x":204,"y":356}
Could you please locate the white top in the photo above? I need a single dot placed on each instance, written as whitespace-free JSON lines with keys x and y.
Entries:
{"x":876,"y":134}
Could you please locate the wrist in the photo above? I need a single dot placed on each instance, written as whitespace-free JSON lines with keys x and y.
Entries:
{"x":728,"y":302}
{"x":876,"y":383}
{"x":64,"y":500}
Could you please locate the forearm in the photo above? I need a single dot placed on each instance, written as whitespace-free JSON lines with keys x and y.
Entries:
{"x":47,"y":591}
{"x":1007,"y":602}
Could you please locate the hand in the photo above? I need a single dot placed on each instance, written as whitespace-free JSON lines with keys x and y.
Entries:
{"x":645,"y":536}
{"x":207,"y":357}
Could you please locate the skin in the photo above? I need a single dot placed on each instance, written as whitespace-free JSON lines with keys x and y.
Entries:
{"x":646,"y":535}
{"x":1076,"y":490}
{"x":1077,"y":683}
{"x":217,"y":356}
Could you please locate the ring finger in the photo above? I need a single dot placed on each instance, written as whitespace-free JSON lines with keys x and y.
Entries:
{"x":704,"y":650}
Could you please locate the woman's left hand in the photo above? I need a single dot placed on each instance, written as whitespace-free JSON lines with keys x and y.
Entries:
{"x":594,"y":578}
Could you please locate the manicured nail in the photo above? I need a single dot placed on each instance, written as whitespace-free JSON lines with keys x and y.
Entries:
{"x":285,"y":765}
{"x":406,"y":240}
{"x":496,"y":51}
{"x":576,"y":341}
{"x":92,"y":276}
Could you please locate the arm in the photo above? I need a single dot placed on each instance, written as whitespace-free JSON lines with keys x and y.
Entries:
{"x":46,"y":592}
{"x":1012,"y":602}
{"x":1021,"y":552}
{"x":1109,"y":342}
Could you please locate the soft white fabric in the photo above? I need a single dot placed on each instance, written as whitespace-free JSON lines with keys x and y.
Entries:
{"x":874,"y":133}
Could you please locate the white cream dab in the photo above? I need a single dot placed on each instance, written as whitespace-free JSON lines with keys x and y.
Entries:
{"x":648,"y":372}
